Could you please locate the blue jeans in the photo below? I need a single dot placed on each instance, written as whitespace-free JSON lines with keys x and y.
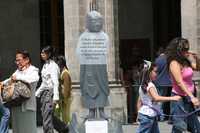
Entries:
{"x":181,"y":124}
{"x":165,"y":106}
{"x":4,"y":119}
{"x":147,"y":124}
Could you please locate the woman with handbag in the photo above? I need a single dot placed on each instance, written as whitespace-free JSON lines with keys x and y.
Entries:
{"x":24,"y":115}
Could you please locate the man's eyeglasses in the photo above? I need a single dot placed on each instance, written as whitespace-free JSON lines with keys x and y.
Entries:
{"x":19,"y":60}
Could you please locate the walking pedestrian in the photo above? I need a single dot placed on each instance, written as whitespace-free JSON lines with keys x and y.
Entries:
{"x":181,"y":69}
{"x":149,"y":98}
{"x":48,"y":90}
{"x":24,"y":115}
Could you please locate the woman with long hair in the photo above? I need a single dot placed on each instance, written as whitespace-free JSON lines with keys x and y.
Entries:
{"x":181,"y":69}
{"x":65,"y":89}
{"x":48,"y":90}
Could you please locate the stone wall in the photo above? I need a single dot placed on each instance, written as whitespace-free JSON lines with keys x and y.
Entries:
{"x":116,"y":110}
{"x":189,"y":22}
{"x":198,"y":26}
{"x":20,"y":29}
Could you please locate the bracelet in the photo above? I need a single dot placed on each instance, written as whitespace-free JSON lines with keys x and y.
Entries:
{"x":190,"y":98}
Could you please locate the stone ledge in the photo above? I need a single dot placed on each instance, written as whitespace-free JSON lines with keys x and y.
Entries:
{"x":117,"y":108}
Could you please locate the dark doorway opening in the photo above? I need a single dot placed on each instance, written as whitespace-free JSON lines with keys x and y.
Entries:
{"x":52,"y":24}
{"x":144,"y":26}
{"x":167,"y":21}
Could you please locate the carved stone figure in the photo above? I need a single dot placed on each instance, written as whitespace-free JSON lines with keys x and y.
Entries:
{"x":92,"y":50}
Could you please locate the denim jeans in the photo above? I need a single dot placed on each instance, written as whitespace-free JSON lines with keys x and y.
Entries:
{"x":4,"y":119}
{"x":181,"y":124}
{"x":147,"y":124}
{"x":165,"y":106}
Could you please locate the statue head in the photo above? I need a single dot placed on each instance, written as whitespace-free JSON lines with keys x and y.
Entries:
{"x":94,"y":21}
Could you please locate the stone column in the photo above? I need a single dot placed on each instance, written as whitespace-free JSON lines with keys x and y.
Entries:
{"x":198,"y":26}
{"x":189,"y":22}
{"x":71,"y":20}
{"x":106,"y":9}
{"x":190,"y":10}
{"x":74,"y":15}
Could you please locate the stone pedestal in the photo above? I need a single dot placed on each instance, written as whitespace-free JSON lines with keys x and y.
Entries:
{"x":74,"y":16}
{"x":116,"y":110}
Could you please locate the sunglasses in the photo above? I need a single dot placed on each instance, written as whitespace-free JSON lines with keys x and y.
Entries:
{"x":185,"y":49}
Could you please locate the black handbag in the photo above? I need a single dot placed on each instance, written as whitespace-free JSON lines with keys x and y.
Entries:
{"x":15,"y":93}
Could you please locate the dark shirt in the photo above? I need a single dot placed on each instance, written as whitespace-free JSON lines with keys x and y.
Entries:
{"x":163,"y":77}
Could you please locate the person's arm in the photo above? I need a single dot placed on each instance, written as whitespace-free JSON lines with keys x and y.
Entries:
{"x":139,"y":103}
{"x":54,"y":75}
{"x":193,"y":61}
{"x":8,"y":80}
{"x":40,"y":89}
{"x":175,"y":70}
{"x":157,"y":98}
{"x":1,"y":85}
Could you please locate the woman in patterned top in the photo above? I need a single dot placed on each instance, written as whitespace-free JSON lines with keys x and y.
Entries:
{"x":48,"y":90}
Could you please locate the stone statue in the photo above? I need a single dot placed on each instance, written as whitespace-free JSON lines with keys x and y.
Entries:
{"x":92,"y":50}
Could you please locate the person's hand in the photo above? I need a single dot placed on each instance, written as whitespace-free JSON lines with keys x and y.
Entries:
{"x":176,"y":98}
{"x":195,"y":101}
{"x":1,"y":85}
{"x":55,"y":103}
{"x":13,"y":78}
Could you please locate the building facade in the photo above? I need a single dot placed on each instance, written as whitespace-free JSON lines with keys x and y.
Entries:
{"x":139,"y":25}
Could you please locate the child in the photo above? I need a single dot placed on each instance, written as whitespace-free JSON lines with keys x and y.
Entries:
{"x":149,"y":98}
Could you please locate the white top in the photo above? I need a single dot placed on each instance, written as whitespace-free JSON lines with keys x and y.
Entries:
{"x":50,"y":76}
{"x":28,"y":75}
{"x":148,"y":108}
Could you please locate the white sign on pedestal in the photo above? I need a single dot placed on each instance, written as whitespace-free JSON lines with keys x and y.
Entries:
{"x":93,"y":48}
{"x":100,"y":126}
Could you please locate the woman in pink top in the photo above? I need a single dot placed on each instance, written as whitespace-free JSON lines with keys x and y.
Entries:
{"x":181,"y":67}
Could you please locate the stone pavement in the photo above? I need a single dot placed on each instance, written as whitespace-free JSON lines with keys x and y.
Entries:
{"x":39,"y":130}
{"x":164,"y":128}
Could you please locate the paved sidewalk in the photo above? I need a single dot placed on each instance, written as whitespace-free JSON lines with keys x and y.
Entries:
{"x":164,"y":128}
{"x":39,"y":130}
